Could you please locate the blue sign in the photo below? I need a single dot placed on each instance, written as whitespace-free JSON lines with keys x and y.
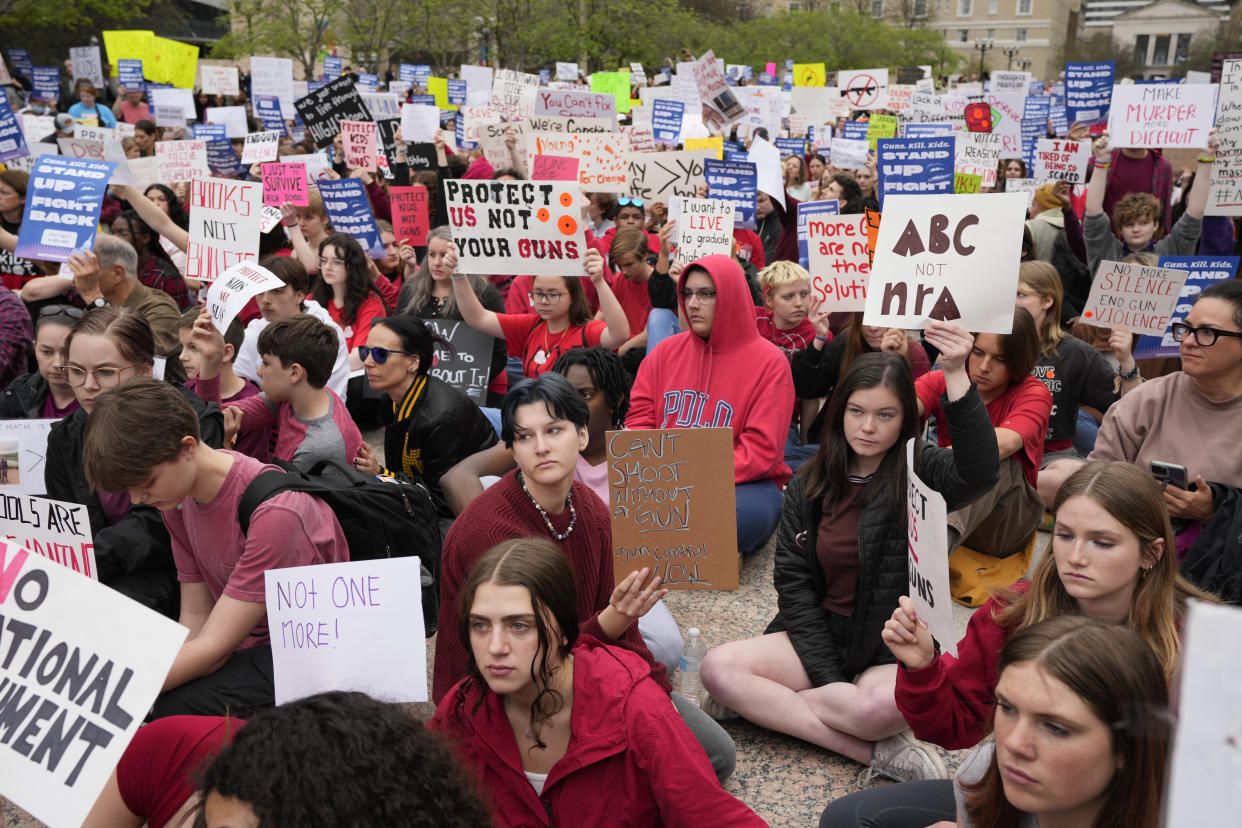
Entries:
{"x":223,"y":161}
{"x":430,"y":100}
{"x":1060,"y":121}
{"x":62,"y":207}
{"x":368,"y":82}
{"x":456,"y":92}
{"x":790,"y":146}
{"x":332,"y":68}
{"x":267,"y":108}
{"x":819,"y":134}
{"x":345,"y":202}
{"x":311,"y":86}
{"x":21,"y":61}
{"x":666,"y":121}
{"x":1204,"y":272}
{"x":211,"y":132}
{"x":12,"y":142}
{"x":407,"y":73}
{"x":808,"y":211}
{"x":736,"y":155}
{"x":422,"y":72}
{"x":767,"y":79}
{"x":545,"y":75}
{"x":1036,"y":87}
{"x":855,"y":130}
{"x":1037,"y":106}
{"x":736,"y":182}
{"x":927,"y":130}
{"x":732,"y":146}
{"x":46,"y":83}
{"x":1032,"y":130}
{"x":130,"y":74}
{"x":1089,"y":91}
{"x":915,"y":165}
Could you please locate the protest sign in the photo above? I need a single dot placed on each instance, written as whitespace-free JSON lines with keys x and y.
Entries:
{"x":516,"y":226}
{"x":167,"y":116}
{"x":1225,"y":184}
{"x":735,"y":182}
{"x":836,"y":256}
{"x":46,"y":83}
{"x":570,"y":104}
{"x":1161,"y":115}
{"x":554,"y":168}
{"x":5,"y":78}
{"x":269,"y":217}
{"x":667,"y":489}
{"x":410,"y":222}
{"x":566,"y":71}
{"x":967,"y":182}
{"x":454,"y":92}
{"x":76,"y":692}
{"x":12,"y":141}
{"x":267,"y":110}
{"x":23,"y":445}
{"x":849,"y":154}
{"x":285,"y":183}
{"x":714,"y":90}
{"x":704,"y":228}
{"x":602,"y":158}
{"x":273,"y":76}
{"x":1059,"y":160}
{"x":182,"y":99}
{"x":641,"y":139}
{"x":259,"y":147}
{"x":87,"y":63}
{"x":358,"y":138}
{"x":808,"y":210}
{"x":173,"y":62}
{"x":236,"y":286}
{"x":1133,"y":296}
{"x":346,"y":203}
{"x":864,"y":88}
{"x":786,"y":146}
{"x":809,"y":74}
{"x":1202,"y":271}
{"x":325,"y":108}
{"x":181,"y":161}
{"x":317,"y":164}
{"x":978,"y":153}
{"x":927,"y":130}
{"x":382,"y":105}
{"x":927,"y":520}
{"x":478,"y":84}
{"x":513,"y":93}
{"x":952,"y":259}
{"x":332,"y":67}
{"x":616,"y":84}
{"x":1088,"y":91}
{"x":419,"y":123}
{"x":62,"y":207}
{"x":223,"y":161}
{"x":467,"y":366}
{"x":715,"y":144}
{"x":224,"y":225}
{"x":881,"y":126}
{"x":915,"y":165}
{"x":659,"y":176}
{"x":233,"y":118}
{"x":130,"y":72}
{"x":219,"y":80}
{"x":1010,"y":81}
{"x":78,"y":149}
{"x":356,"y":625}
{"x":60,"y":532}
{"x":420,"y":157}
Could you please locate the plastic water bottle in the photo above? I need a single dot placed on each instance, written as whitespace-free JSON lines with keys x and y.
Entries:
{"x":692,"y":654}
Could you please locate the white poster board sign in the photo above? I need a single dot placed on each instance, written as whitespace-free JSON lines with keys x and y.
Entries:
{"x":60,"y":532}
{"x":704,"y":228}
{"x":1058,"y":160}
{"x":219,"y":80}
{"x":1225,"y":187}
{"x":603,"y":158}
{"x":1161,"y":115}
{"x":864,"y":88}
{"x":1133,"y":296}
{"x":183,"y":98}
{"x":87,"y":64}
{"x":356,"y":625}
{"x":230,"y":292}
{"x":516,"y":226}
{"x":273,"y":76}
{"x":224,"y":225}
{"x":23,"y":446}
{"x":419,"y":123}
{"x":849,"y":153}
{"x":260,"y":147}
{"x":927,"y":518}
{"x":837,"y":259}
{"x":978,"y":153}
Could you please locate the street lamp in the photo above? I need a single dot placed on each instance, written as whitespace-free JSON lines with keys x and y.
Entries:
{"x":983,"y":44}
{"x":1024,"y":63}
{"x":1010,"y":50}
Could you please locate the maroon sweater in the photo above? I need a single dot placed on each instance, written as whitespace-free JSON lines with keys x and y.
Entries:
{"x":504,"y":512}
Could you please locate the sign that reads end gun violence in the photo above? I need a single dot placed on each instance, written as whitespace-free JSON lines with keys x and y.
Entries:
{"x":1133,"y":296}
{"x":836,"y":248}
{"x":81,"y":665}
{"x":953,"y":259}
{"x":62,"y":209}
{"x":348,"y":626}
{"x":668,"y":489}
{"x":224,"y":225}
{"x":927,"y":518}
{"x":60,"y":532}
{"x":516,"y":227}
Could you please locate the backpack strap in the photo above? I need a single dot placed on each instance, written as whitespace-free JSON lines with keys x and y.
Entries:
{"x":264,"y":487}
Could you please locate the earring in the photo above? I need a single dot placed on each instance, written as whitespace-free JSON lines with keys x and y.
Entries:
{"x":1143,"y":572}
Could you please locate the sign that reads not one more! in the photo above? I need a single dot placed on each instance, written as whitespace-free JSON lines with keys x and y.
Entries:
{"x":668,"y":489}
{"x":516,"y":226}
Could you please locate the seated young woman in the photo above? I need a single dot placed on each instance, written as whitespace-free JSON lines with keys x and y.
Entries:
{"x":557,"y":726}
{"x":45,"y":393}
{"x":820,"y":672}
{"x":1108,"y":561}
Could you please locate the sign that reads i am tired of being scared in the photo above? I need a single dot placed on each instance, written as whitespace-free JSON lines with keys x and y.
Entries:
{"x":516,"y":226}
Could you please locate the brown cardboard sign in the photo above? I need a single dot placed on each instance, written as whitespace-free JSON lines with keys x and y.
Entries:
{"x":672,"y":502}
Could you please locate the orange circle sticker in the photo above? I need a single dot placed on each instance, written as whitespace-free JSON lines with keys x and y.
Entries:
{"x":1089,"y":314}
{"x":567,"y":199}
{"x":567,"y":225}
{"x":543,"y":214}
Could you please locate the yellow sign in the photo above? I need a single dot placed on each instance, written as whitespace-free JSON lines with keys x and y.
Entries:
{"x":616,"y":84}
{"x":966,"y":182}
{"x":129,"y":44}
{"x":809,"y":74}
{"x":172,"y":62}
{"x":439,"y":88}
{"x":881,"y":126}
{"x":716,"y":144}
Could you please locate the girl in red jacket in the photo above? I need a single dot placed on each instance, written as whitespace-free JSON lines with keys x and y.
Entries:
{"x":561,"y":729}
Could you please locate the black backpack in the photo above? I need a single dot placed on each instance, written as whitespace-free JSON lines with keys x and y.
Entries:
{"x":380,"y":518}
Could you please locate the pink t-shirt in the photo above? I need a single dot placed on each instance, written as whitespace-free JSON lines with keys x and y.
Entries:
{"x":290,"y":529}
{"x":595,"y":477}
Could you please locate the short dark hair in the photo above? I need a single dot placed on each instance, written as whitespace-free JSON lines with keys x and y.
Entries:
{"x":290,"y":271}
{"x":133,"y":428}
{"x":549,"y":388}
{"x":607,"y":372}
{"x":415,"y":337}
{"x":304,"y":340}
{"x":235,"y":335}
{"x":607,"y":204}
{"x":1230,"y":291}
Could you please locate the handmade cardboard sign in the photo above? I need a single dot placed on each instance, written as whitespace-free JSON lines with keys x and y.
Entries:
{"x":915,"y":165}
{"x":927,"y":521}
{"x":735,"y":182}
{"x":181,"y":161}
{"x":60,"y":532}
{"x":881,"y":126}
{"x":808,"y":210}
{"x":1088,"y":91}
{"x":1059,"y":160}
{"x":1202,"y":271}
{"x":704,"y":228}
{"x":224,"y":225}
{"x":325,"y":108}
{"x":849,"y":154}
{"x":603,"y":158}
{"x":567,"y":103}
{"x":346,"y":203}
{"x":219,"y":80}
{"x":285,"y":183}
{"x":168,"y":116}
{"x":967,"y":183}
{"x":467,"y":366}
{"x":260,"y":147}
{"x":1133,"y":296}
{"x":234,"y":288}
{"x":516,"y":226}
{"x":75,"y":693}
{"x":714,"y":91}
{"x":1225,"y":185}
{"x":419,"y":123}
{"x":668,"y":489}
{"x":358,"y":138}
{"x":659,"y":176}
{"x":978,"y":153}
{"x":410,"y":222}
{"x":864,"y":88}
{"x":513,"y":93}
{"x":61,"y":214}
{"x":616,"y":84}
{"x":1161,"y":115}
{"x":1010,"y":81}
{"x":566,"y":71}
{"x":554,"y":168}
{"x":87,"y":63}
{"x":953,"y":259}
{"x":837,"y":259}
{"x":356,"y":625}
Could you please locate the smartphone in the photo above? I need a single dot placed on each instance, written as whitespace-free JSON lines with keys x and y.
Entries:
{"x":1170,"y":473}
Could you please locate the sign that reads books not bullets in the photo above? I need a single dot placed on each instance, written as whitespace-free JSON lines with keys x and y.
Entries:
{"x":949,"y":258}
{"x":224,"y":225}
{"x":325,"y":108}
{"x":516,"y":226}
{"x":667,"y":489}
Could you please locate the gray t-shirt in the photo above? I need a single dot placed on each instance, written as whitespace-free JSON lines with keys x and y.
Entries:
{"x":323,"y":441}
{"x":972,"y":769}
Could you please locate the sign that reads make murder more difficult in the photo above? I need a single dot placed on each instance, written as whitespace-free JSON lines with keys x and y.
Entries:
{"x":224,"y":225}
{"x":1133,"y":296}
{"x":1162,"y":115}
{"x":953,"y":259}
{"x":927,"y":519}
{"x":516,"y":226}
{"x":667,"y":491}
{"x":73,"y":693}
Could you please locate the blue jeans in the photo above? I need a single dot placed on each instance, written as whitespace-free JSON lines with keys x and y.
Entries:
{"x":795,"y":452}
{"x":661,"y":324}
{"x":1084,"y":437}
{"x":493,"y":417}
{"x":758,"y":512}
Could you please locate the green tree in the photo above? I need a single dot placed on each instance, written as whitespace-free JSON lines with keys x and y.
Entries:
{"x":1102,"y":46}
{"x":48,"y":30}
{"x":290,"y":28}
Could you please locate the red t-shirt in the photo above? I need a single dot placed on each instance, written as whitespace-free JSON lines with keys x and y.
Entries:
{"x":356,"y":333}
{"x":1024,"y":408}
{"x":527,"y":334}
{"x":159,"y":769}
{"x":517,"y":300}
{"x":634,"y":299}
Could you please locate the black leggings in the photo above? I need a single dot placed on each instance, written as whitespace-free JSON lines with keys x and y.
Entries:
{"x":905,"y":805}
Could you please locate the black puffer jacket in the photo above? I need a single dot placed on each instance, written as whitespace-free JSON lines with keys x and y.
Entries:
{"x":961,"y":474}
{"x":24,"y":398}
{"x":134,"y":556}
{"x":1214,"y":560}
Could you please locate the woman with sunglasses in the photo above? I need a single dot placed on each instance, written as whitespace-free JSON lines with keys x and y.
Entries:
{"x":435,"y":425}
{"x":345,"y":288}
{"x":45,"y":393}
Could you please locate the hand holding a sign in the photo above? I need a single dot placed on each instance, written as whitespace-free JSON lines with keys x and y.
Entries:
{"x":1102,"y":149}
{"x":894,"y":341}
{"x":209,"y":343}
{"x":1064,"y":193}
{"x":954,"y":343}
{"x":1120,"y":342}
{"x":908,"y":638}
{"x":1079,"y":132}
{"x":593,"y":264}
{"x":85,"y":267}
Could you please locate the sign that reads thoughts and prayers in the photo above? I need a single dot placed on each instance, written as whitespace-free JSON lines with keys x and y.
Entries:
{"x":1059,"y":160}
{"x":60,"y":532}
{"x":224,"y":225}
{"x":467,"y":365}
{"x":836,"y":248}
{"x":927,"y":519}
{"x":62,"y":207}
{"x":704,"y":228}
{"x":74,"y":693}
{"x":951,"y":258}
{"x":1162,"y":115}
{"x":667,"y":490}
{"x":516,"y":226}
{"x":1133,"y":296}
{"x":325,"y":108}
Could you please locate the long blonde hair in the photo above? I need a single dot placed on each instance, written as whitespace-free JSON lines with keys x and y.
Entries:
{"x":1042,"y":280}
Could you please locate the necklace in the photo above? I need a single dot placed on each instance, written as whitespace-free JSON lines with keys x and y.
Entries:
{"x":569,"y":503}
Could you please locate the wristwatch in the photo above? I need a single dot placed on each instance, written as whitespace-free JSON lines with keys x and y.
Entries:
{"x":99,"y":302}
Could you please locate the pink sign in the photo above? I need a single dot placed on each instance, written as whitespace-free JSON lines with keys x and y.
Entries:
{"x":359,"y":140}
{"x":554,"y":168}
{"x":285,"y":183}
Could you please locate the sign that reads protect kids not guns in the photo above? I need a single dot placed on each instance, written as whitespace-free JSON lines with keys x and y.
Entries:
{"x":516,"y":226}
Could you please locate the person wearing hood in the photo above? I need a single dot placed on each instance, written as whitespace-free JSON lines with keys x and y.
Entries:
{"x":718,"y":374}
{"x":777,"y":227}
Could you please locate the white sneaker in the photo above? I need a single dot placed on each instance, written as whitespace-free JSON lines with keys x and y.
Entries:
{"x":905,"y":759}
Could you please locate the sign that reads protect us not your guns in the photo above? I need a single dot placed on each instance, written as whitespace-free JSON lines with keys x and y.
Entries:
{"x":516,"y":227}
{"x":672,"y":503}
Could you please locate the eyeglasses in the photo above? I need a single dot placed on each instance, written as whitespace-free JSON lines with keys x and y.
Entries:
{"x":550,"y":296}
{"x":629,"y":202}
{"x":62,"y":310}
{"x":104,"y":377}
{"x":380,"y":355}
{"x":704,"y":296}
{"x":1204,"y":335}
{"x":324,"y":262}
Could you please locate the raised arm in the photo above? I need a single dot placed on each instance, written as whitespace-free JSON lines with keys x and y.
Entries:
{"x":472,"y":310}
{"x":301,"y":247}
{"x":1099,"y":179}
{"x":618,"y":325}
{"x":155,"y":218}
{"x":1196,"y":201}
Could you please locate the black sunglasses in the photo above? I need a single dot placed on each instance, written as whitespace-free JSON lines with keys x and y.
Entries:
{"x":62,"y":310}
{"x":380,"y":355}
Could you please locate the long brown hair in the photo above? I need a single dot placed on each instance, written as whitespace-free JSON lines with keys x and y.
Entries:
{"x":1134,"y":499}
{"x":1119,"y":678}
{"x":421,"y":282}
{"x":1042,"y":280}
